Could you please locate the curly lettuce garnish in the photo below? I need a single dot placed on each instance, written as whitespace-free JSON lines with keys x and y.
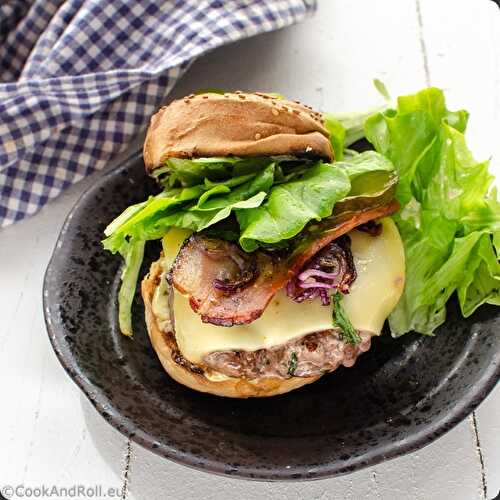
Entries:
{"x":450,"y":220}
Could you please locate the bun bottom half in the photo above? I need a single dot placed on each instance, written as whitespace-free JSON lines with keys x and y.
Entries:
{"x":165,"y":345}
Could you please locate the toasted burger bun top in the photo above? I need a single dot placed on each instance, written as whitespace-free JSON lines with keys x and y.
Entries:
{"x":234,"y":124}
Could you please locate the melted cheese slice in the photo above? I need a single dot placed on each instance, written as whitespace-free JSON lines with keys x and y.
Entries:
{"x":380,"y":266}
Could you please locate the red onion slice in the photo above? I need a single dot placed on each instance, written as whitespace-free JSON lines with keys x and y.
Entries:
{"x":332,"y":268}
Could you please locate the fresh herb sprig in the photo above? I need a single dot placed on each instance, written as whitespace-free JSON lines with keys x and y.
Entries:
{"x":340,"y":319}
{"x":293,"y":364}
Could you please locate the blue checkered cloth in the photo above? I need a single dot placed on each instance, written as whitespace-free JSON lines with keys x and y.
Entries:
{"x":80,"y":78}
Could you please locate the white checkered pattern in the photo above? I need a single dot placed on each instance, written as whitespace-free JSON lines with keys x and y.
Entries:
{"x":78,"y":78}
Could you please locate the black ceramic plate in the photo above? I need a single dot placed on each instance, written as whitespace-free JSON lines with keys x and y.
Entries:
{"x":399,"y":396}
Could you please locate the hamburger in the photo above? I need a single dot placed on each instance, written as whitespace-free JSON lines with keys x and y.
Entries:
{"x":279,"y":260}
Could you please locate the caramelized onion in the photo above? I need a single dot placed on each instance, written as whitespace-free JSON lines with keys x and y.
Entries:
{"x":332,"y":268}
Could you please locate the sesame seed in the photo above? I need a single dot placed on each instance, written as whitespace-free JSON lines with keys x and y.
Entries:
{"x":257,"y":136}
{"x":241,"y":96}
{"x":275,"y":112}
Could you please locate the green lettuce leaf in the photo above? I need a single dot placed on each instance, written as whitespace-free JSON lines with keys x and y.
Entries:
{"x":209,"y":211}
{"x":481,"y":282}
{"x":347,"y":128}
{"x":411,"y":137}
{"x":292,"y":205}
{"x":196,"y":207}
{"x":258,"y":184}
{"x":133,"y":253}
{"x":450,"y":218}
{"x":200,"y":206}
{"x":365,"y":163}
{"x":198,"y":220}
{"x":135,"y":223}
{"x":337,"y":135}
{"x":191,"y":172}
{"x":195,"y":171}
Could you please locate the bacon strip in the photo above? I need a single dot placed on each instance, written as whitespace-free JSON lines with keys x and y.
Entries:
{"x":203,"y":261}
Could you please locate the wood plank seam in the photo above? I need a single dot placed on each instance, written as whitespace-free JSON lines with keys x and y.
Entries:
{"x":472,"y":418}
{"x":126,"y":470}
{"x":376,"y":485}
{"x":423,"y":48}
{"x":479,"y":451}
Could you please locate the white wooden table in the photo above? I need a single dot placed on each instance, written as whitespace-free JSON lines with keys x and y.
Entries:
{"x":50,"y":435}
